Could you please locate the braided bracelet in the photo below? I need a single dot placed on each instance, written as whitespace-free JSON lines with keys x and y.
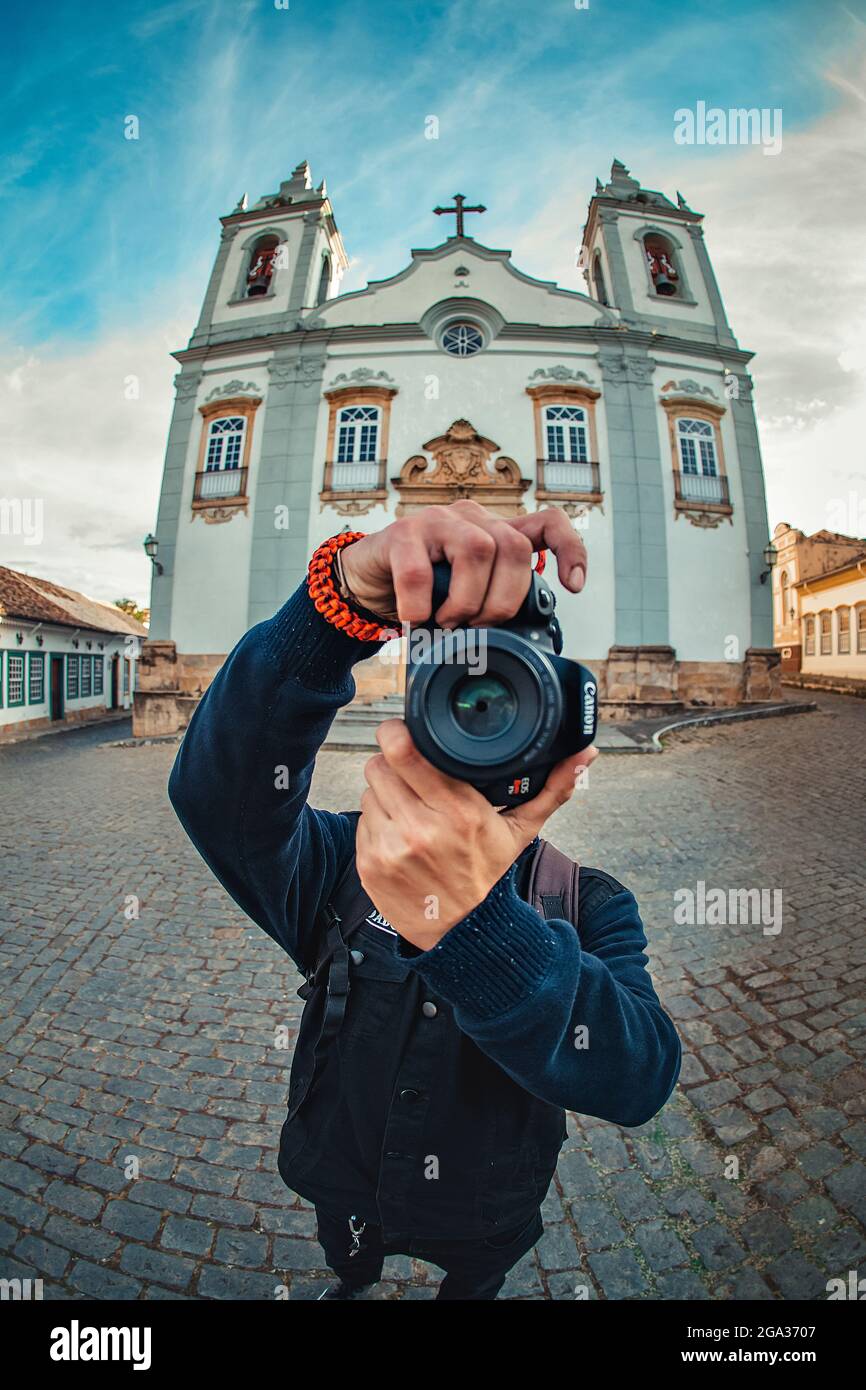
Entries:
{"x":326,"y":600}
{"x":334,"y":609}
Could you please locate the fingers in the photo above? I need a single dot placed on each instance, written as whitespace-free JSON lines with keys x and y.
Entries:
{"x":551,"y":529}
{"x":394,"y":795}
{"x":527,"y":820}
{"x":434,"y":788}
{"x":374,"y":814}
{"x":471,"y":551}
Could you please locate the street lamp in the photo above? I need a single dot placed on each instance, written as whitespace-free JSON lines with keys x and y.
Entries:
{"x":769,"y":555}
{"x":151,"y":546}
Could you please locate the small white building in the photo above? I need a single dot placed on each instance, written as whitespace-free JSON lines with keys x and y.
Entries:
{"x":64,"y":659}
{"x":301,"y":411}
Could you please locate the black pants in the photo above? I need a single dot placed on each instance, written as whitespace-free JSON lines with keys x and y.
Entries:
{"x":474,"y":1269}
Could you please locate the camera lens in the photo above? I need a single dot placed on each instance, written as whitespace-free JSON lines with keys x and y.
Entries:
{"x":483,"y":706}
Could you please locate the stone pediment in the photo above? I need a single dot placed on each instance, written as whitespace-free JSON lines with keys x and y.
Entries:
{"x":464,"y":466}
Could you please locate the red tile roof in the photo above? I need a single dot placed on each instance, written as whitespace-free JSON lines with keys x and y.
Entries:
{"x":38,"y":600}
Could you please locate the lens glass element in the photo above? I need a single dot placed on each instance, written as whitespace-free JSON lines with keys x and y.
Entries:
{"x":483,"y":706}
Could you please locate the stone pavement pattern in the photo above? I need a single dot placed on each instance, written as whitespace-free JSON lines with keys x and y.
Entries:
{"x":153,"y":1039}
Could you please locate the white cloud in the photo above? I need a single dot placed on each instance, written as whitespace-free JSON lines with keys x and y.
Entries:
{"x":92,"y":457}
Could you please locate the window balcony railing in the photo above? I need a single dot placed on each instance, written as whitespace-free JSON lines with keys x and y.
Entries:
{"x":699,"y":488}
{"x":355,"y":477}
{"x":566,"y":477}
{"x":220,"y":484}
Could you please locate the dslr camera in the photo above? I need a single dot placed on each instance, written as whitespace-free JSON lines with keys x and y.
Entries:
{"x":498,"y":706}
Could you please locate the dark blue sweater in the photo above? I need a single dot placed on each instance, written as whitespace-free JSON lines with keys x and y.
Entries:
{"x":519,"y":986}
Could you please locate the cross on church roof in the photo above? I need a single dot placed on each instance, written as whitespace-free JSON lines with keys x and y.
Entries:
{"x":459,"y":209}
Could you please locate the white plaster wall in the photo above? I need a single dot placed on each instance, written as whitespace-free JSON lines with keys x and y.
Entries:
{"x":406,"y":299}
{"x":708,"y":571}
{"x":212,"y":559}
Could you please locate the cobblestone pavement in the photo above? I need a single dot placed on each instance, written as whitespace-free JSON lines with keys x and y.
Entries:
{"x":151,"y":1040}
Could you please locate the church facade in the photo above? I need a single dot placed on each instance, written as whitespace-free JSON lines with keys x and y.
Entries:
{"x":301,"y":411}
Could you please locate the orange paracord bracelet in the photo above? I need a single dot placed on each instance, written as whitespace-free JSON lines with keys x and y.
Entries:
{"x":334,"y":609}
{"x":326,"y":600}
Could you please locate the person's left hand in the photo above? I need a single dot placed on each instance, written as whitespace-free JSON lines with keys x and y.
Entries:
{"x":429,"y":848}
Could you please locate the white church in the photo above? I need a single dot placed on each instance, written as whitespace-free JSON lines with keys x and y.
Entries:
{"x":301,"y":411}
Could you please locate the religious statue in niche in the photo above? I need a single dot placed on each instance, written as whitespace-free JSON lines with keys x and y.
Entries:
{"x":261,"y":269}
{"x":663,"y":271}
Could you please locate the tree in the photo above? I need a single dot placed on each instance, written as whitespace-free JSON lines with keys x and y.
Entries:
{"x":129,"y":605}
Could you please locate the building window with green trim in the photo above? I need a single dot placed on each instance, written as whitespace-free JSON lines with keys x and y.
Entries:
{"x":126,"y":665}
{"x":98,"y":674}
{"x":15,"y":679}
{"x":86,"y":676}
{"x":35,"y":678}
{"x":71,"y":677}
{"x":1,"y":680}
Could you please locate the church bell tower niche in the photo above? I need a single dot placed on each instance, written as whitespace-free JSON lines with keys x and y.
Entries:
{"x":277,"y":259}
{"x":646,"y":256}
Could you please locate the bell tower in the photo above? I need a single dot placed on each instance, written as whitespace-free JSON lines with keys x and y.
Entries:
{"x":646,"y":257}
{"x":277,"y":259}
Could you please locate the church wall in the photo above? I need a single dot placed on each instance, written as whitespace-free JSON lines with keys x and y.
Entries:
{"x":212,"y":559}
{"x":489,"y":391}
{"x":407,"y":297}
{"x":708,"y":575}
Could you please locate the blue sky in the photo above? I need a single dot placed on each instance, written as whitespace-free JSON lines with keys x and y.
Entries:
{"x":231,"y":95}
{"x":108,"y":242}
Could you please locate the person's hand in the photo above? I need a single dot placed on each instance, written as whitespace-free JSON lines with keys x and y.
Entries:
{"x":391,"y":571}
{"x":429,"y":848}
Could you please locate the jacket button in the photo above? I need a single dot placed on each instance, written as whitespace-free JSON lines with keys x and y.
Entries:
{"x":429,"y":1009}
{"x":357,"y":957}
{"x":409,"y":1094}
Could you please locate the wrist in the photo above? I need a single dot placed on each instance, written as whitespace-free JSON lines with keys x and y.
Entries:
{"x":356,"y":589}
{"x":324,"y":590}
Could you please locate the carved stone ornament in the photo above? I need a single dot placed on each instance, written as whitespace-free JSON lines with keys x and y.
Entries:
{"x":358,"y":506}
{"x":637,"y":371}
{"x":233,"y":388}
{"x":706,"y":520}
{"x":687,"y":387}
{"x":464,"y":466}
{"x":564,"y":374}
{"x":361,"y":376}
{"x":186,"y":384}
{"x":215,"y":516}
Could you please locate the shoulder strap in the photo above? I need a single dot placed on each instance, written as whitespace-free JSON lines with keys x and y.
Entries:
{"x":553,"y":883}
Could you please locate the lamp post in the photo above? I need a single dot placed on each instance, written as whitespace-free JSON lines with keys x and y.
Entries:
{"x":151,"y":546}
{"x":769,"y":555}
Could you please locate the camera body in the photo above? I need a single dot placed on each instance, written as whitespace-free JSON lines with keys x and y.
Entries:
{"x":498,"y":706}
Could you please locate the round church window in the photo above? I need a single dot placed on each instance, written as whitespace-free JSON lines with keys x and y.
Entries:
{"x":462,"y":339}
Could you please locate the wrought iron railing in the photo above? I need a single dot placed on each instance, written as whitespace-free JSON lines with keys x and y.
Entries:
{"x":700,"y":487}
{"x":219,"y":484}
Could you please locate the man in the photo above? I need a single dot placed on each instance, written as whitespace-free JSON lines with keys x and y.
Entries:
{"x":436,"y":1057}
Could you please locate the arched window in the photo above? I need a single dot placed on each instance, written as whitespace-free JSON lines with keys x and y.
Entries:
{"x":324,"y":280}
{"x":826,"y":633}
{"x":809,"y":636}
{"x":662,"y":262}
{"x":861,"y":629}
{"x":699,"y":479}
{"x":263,"y":262}
{"x":566,"y":434}
{"x":598,"y":280}
{"x":843,"y":631}
{"x":356,"y":466}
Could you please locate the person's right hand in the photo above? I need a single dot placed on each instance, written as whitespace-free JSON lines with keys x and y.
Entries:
{"x":392,"y":570}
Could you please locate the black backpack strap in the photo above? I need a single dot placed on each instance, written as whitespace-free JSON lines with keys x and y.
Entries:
{"x":552,"y":886}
